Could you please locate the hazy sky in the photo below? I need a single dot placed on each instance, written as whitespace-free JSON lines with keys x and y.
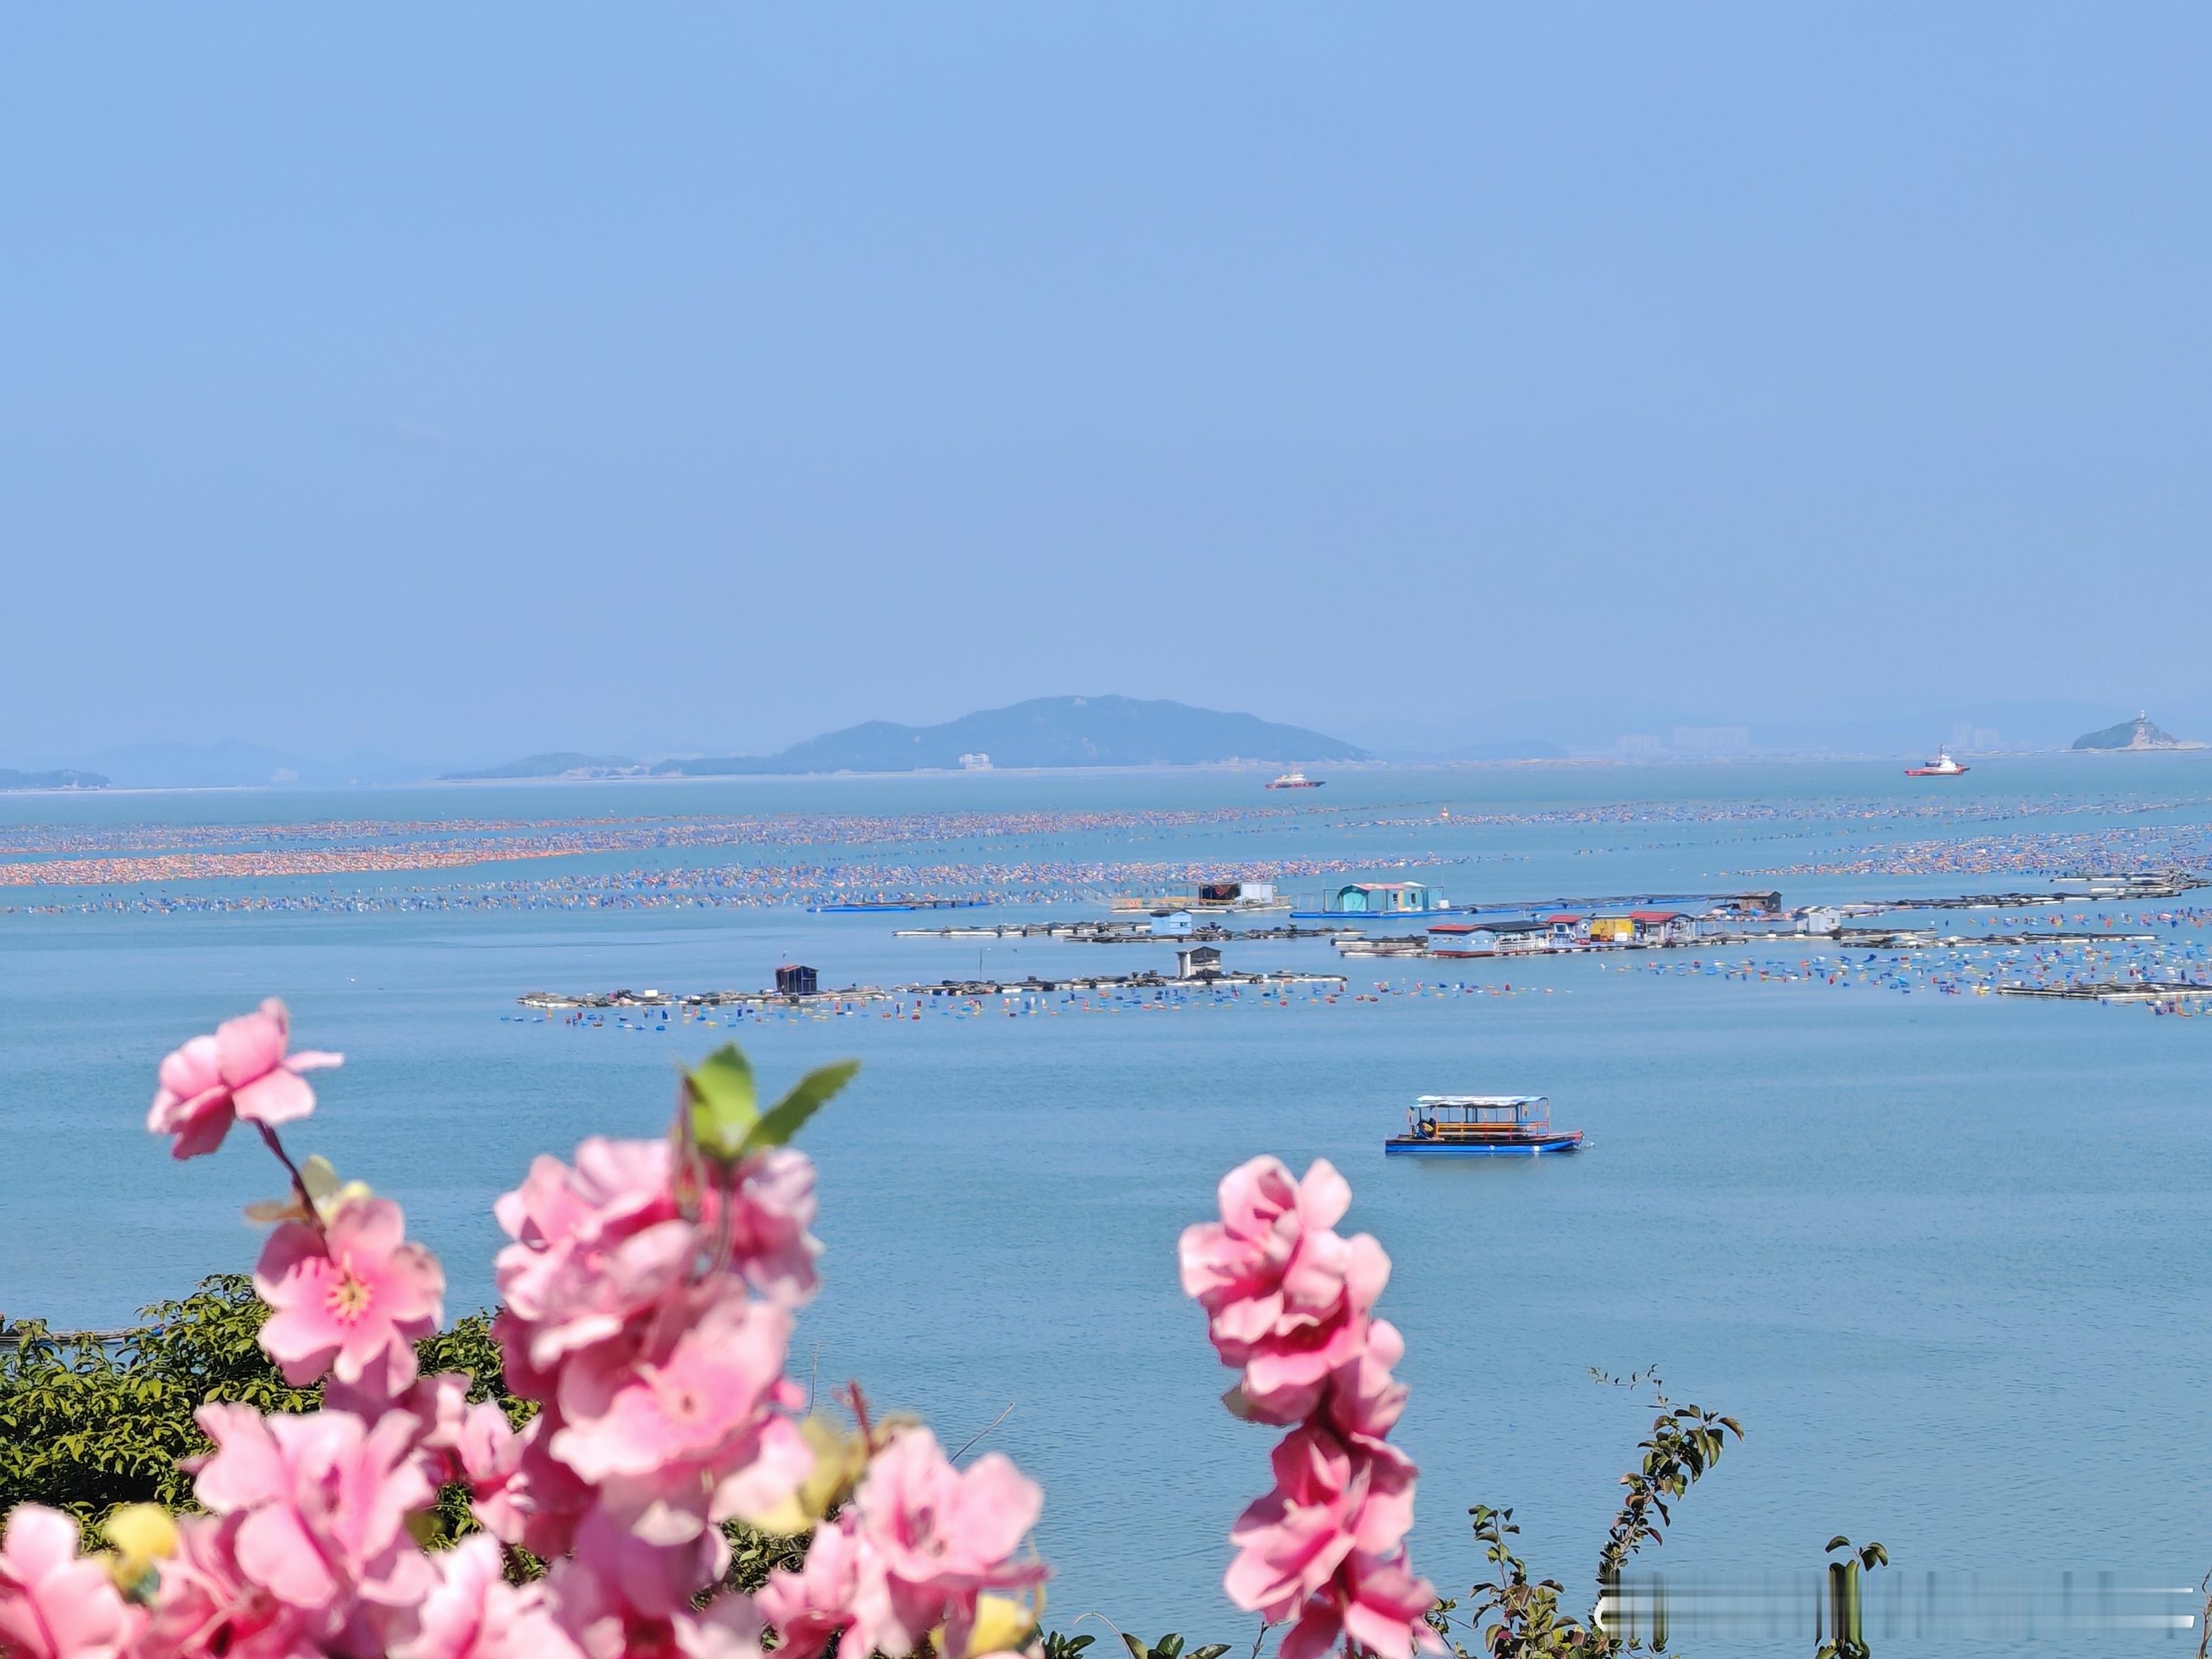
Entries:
{"x":462,"y":382}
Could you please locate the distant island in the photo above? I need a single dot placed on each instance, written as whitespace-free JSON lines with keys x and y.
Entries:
{"x":62,"y":779}
{"x":1043,"y":731}
{"x":565,"y":764}
{"x":2137,"y":734}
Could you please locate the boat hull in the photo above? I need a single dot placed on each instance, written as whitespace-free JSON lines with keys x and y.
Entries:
{"x":1402,"y":1146}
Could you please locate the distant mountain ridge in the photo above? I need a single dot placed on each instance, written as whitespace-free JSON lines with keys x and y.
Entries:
{"x":2137,"y":734}
{"x":1056,"y":732}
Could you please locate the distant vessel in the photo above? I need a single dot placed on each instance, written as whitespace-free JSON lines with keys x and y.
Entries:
{"x":1297,"y":780}
{"x":1941,"y":766}
{"x":1480,"y":1126}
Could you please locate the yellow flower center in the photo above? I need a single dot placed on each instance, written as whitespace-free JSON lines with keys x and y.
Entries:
{"x":350,"y":1295}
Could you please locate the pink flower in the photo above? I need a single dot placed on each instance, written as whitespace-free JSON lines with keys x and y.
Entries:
{"x":351,"y":1298}
{"x":1364,"y":1400}
{"x":322,"y":1500}
{"x":206,"y":1608}
{"x":769,"y":1216}
{"x":539,"y":1506}
{"x":656,"y":1581}
{"x":54,"y":1603}
{"x":679,"y":1440}
{"x":943,"y":1535}
{"x":475,"y":1613}
{"x":460,"y":1440}
{"x":595,"y":1247}
{"x":1291,"y":1303}
{"x":241,"y":1072}
{"x":1330,"y":1500}
{"x":599,"y":1247}
{"x":1287,"y":1299}
{"x":841,"y":1584}
{"x":594,"y":1611}
{"x":1375,"y":1604}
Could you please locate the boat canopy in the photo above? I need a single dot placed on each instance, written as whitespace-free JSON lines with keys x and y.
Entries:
{"x":1481,"y":1117}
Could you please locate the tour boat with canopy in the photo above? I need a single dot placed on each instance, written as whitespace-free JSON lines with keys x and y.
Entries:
{"x":1480,"y":1126}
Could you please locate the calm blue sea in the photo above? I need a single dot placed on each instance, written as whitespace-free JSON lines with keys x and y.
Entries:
{"x":1945,"y":1257}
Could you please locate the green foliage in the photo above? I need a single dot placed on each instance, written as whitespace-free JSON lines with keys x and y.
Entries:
{"x":1515,"y":1618}
{"x":726,"y":1121}
{"x":1846,"y":1631}
{"x":86,"y":1424}
{"x":1058,"y":1645}
{"x":755,"y":1554}
{"x":469,"y":1347}
{"x":723,"y":1102}
{"x":1168,"y":1647}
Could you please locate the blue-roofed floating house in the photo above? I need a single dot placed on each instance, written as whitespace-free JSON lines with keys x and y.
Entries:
{"x":1373,"y":901}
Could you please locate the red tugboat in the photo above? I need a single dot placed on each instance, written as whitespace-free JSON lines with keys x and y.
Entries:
{"x":1941,"y":766}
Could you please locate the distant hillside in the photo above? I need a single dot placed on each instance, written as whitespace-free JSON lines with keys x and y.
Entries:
{"x":1044,"y":732}
{"x":563,"y":765}
{"x":62,"y":779}
{"x":2137,"y":734}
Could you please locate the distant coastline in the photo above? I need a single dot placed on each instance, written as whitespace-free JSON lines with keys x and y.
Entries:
{"x":14,"y":782}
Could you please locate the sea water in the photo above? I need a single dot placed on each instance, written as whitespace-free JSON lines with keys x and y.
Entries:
{"x":1945,"y":1257}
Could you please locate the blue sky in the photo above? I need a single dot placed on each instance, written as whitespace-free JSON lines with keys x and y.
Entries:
{"x":461,"y":382}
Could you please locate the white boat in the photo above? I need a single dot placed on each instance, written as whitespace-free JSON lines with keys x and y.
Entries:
{"x":1297,"y":780}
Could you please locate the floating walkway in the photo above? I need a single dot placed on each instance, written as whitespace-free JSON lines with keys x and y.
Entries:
{"x":2111,"y":990}
{"x":549,"y":1002}
{"x":1116,"y":932}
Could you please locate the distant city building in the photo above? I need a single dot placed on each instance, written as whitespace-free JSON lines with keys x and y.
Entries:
{"x":1640,"y":748}
{"x":978,"y":762}
{"x":1711,"y":740}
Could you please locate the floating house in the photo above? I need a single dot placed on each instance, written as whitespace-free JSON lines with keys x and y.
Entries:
{"x":795,"y":980}
{"x":1613,"y":929}
{"x":1175,"y":925}
{"x":1210,"y":896}
{"x":1381,"y":898}
{"x":1487,"y":939}
{"x":1662,"y":927}
{"x":1566,"y":931}
{"x":1198,"y":962}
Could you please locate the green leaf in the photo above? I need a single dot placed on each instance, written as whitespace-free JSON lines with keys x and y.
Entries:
{"x":1137,"y":1650}
{"x":807,"y":1096}
{"x":724,"y":1107}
